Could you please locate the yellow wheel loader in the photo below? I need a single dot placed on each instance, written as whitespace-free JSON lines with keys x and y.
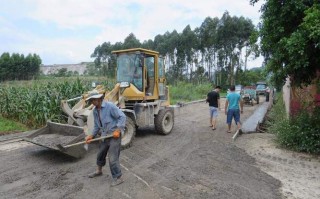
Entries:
{"x":140,"y":92}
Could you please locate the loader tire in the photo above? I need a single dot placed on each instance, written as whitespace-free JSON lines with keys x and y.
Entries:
{"x":164,"y":121}
{"x":129,"y":134}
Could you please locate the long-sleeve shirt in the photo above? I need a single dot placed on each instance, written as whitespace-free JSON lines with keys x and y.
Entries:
{"x":111,"y":118}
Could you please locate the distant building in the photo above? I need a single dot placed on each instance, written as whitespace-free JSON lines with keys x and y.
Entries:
{"x":53,"y":69}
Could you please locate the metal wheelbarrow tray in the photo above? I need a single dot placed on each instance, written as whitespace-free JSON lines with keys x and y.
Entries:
{"x":54,"y":134}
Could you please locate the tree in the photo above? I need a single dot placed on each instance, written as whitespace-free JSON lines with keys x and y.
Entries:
{"x":207,"y":35}
{"x":216,"y":46}
{"x":90,"y":70}
{"x":290,"y":37}
{"x":19,"y":67}
{"x":102,"y":56}
{"x":148,"y":44}
{"x":250,"y":77}
{"x":189,"y":43}
{"x":32,"y":66}
{"x":131,"y":42}
{"x":4,"y":64}
{"x":233,"y":34}
{"x":62,"y":72}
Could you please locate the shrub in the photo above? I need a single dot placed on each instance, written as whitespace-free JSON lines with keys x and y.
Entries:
{"x":300,"y":133}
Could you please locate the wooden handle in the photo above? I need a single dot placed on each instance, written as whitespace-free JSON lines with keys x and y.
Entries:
{"x":84,"y":142}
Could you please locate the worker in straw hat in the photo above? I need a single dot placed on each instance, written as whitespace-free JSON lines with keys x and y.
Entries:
{"x":108,"y":119}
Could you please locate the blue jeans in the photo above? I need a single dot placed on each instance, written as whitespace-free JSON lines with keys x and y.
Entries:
{"x":111,"y":146}
{"x":233,"y":113}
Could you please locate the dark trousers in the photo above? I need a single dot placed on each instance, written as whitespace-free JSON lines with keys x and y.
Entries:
{"x":111,"y":146}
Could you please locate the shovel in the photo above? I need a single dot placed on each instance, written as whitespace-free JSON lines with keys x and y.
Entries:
{"x":64,"y":148}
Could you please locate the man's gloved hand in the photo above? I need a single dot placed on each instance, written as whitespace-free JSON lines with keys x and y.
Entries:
{"x":88,"y":139}
{"x":116,"y":133}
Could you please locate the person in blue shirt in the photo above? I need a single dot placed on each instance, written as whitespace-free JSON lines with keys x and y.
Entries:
{"x":108,"y":119}
{"x":233,"y":108}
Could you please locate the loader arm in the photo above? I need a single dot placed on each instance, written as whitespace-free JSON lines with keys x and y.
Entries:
{"x":115,"y":96}
{"x":79,"y":114}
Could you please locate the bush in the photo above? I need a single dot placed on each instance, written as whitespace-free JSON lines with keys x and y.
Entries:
{"x":300,"y":133}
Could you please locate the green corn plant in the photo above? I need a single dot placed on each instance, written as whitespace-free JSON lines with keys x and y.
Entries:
{"x":34,"y":102}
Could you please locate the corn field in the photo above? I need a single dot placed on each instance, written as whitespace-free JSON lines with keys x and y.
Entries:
{"x":34,"y":102}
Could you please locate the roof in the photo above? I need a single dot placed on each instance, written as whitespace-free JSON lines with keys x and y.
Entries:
{"x":135,"y":50}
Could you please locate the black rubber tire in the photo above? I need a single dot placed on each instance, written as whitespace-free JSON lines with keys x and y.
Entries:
{"x":129,"y":134}
{"x":164,"y":121}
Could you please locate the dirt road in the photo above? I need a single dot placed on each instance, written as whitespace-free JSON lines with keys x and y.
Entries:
{"x":191,"y":162}
{"x":299,"y":173}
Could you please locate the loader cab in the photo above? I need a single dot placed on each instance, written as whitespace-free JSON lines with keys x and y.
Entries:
{"x":130,"y":69}
{"x":141,"y":71}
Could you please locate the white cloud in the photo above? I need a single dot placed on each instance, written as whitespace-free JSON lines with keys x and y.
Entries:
{"x":112,"y":21}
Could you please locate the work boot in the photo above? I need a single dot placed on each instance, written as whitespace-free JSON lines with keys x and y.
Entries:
{"x":117,"y":181}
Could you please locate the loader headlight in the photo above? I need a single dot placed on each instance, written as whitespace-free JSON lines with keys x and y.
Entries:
{"x":124,"y":84}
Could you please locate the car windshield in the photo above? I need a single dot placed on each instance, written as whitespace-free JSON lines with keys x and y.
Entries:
{"x":261,"y":86}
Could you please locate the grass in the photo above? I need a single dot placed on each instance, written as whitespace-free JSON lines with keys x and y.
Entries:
{"x":187,"y":92}
{"x":9,"y":126}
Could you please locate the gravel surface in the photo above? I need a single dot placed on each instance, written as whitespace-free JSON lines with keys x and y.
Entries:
{"x":191,"y":162}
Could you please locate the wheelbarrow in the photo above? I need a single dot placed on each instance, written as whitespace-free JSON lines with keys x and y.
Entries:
{"x":56,"y":135}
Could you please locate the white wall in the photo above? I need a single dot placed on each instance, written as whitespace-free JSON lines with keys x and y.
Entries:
{"x":286,"y":91}
{"x":52,"y":69}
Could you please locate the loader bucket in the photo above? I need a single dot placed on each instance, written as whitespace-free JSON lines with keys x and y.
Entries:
{"x":54,"y":134}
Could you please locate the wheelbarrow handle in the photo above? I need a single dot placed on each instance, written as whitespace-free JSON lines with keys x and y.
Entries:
{"x":84,"y":142}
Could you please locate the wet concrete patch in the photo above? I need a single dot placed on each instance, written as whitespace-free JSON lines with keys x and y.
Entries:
{"x":250,"y":125}
{"x":10,"y":146}
{"x":52,"y":140}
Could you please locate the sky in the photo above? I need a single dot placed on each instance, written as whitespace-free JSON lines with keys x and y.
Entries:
{"x":68,"y":31}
